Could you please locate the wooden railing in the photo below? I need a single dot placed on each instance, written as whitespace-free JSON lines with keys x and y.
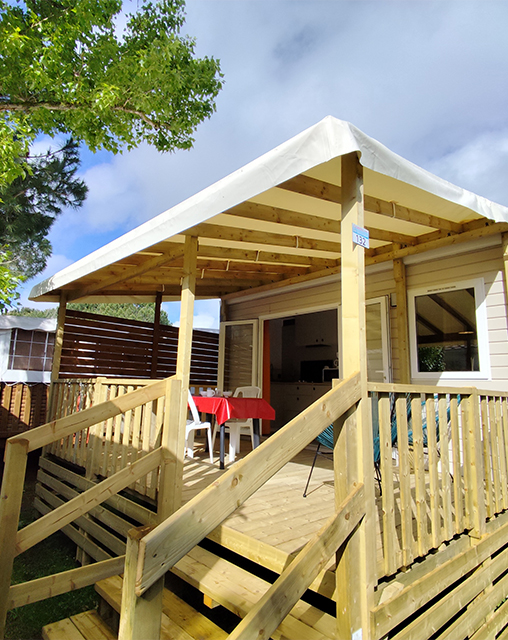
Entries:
{"x":22,"y":407}
{"x":13,"y":542}
{"x":443,"y":465}
{"x":107,"y":447}
{"x":165,"y":545}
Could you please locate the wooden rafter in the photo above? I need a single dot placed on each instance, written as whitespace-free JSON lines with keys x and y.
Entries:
{"x":314,"y":188}
{"x":236,"y":266}
{"x":376,"y":257}
{"x":218,"y":232}
{"x":128,"y":273}
{"x":255,"y":211}
{"x":269,"y":257}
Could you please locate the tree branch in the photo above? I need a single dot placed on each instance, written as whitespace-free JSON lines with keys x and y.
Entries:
{"x":30,"y":106}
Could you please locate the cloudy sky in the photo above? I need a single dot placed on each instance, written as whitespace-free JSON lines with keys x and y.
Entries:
{"x":425,"y":78}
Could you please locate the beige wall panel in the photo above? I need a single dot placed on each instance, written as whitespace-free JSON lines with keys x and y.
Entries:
{"x":486,"y":263}
{"x":498,"y":335}
{"x":294,"y":301}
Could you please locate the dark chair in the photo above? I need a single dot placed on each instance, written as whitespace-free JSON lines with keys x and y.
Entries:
{"x":325,"y":438}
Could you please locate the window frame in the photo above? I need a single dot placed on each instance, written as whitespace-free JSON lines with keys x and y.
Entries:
{"x":484,"y":372}
{"x":46,"y":359}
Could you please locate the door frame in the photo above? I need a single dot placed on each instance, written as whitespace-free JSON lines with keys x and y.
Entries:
{"x":255,"y":378}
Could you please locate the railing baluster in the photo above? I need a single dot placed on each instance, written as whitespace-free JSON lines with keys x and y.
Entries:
{"x":435,"y":519}
{"x":500,"y":453}
{"x":404,"y":482}
{"x":390,"y":546}
{"x":422,"y":530}
{"x":458,"y":463}
{"x":446,"y":494}
{"x":494,"y":446}
{"x":487,"y":459}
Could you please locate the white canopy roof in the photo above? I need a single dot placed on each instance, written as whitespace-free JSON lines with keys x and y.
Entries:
{"x":277,"y":218}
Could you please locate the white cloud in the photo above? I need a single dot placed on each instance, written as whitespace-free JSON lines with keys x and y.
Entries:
{"x":423,"y":77}
{"x":206,"y":313}
{"x":481,"y":165}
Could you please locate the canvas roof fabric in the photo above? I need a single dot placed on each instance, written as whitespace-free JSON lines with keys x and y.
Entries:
{"x":277,"y":220}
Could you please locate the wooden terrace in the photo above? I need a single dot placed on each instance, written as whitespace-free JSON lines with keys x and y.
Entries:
{"x":423,"y":554}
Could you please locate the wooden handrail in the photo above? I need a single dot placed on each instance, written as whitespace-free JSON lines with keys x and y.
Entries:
{"x":276,"y":603}
{"x":172,"y":539}
{"x":58,"y":583}
{"x":63,"y":427}
{"x":390,"y":387}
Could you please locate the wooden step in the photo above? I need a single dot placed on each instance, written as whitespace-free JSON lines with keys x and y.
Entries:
{"x":83,"y":626}
{"x":179,"y":619}
{"x":238,"y":590}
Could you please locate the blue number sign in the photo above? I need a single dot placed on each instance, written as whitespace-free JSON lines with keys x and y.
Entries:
{"x":360,"y":236}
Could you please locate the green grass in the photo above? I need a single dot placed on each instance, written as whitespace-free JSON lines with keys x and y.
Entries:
{"x":53,"y":555}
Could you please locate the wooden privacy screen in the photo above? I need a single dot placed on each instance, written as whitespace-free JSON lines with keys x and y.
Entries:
{"x":97,"y":345}
{"x":22,"y":407}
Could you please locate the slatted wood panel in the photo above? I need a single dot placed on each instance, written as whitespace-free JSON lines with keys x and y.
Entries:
{"x":426,"y":472}
{"x":97,"y":345}
{"x":22,"y":407}
{"x":494,"y":421}
{"x":111,"y":445}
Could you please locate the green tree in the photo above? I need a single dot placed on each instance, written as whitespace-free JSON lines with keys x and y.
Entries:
{"x":64,"y":68}
{"x":143,"y":312}
{"x":9,"y":282}
{"x":29,"y":205}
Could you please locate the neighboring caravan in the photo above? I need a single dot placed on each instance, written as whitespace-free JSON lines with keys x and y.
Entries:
{"x":358,"y":290}
{"x":26,"y":349}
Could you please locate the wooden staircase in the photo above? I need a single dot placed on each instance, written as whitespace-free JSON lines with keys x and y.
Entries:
{"x":221,"y":581}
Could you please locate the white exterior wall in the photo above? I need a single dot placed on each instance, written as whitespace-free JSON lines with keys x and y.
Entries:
{"x":480,"y":259}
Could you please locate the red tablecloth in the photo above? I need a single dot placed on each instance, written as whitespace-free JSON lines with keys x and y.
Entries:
{"x":227,"y":408}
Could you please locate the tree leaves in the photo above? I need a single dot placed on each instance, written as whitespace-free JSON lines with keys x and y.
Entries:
{"x":30,"y":204}
{"x":63,"y":68}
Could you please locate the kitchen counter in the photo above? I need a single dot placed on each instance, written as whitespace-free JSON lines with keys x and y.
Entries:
{"x":291,"y":398}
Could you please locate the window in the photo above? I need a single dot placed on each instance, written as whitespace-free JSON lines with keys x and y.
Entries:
{"x":31,"y":350}
{"x":449,"y":331}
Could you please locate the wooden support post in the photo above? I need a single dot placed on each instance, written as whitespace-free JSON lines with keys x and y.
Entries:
{"x":10,"y":506}
{"x":186,"y":314}
{"x":57,"y":353}
{"x":141,"y":616}
{"x":169,"y":497}
{"x":156,"y":334}
{"x":183,"y":358}
{"x":353,"y":459}
{"x":399,"y":273}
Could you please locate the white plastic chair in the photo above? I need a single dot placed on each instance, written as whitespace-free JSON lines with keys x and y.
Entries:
{"x":192,"y":426}
{"x":236,"y":425}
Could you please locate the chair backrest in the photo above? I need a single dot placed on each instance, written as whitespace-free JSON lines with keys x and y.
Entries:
{"x":247,"y":392}
{"x":193,"y":408}
{"x":326,"y":437}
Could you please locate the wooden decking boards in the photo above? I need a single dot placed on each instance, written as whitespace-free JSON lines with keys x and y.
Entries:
{"x":83,"y":626}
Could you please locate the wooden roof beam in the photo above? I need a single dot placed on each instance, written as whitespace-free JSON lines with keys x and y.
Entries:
{"x":314,"y":188}
{"x":384,"y":255}
{"x":375,"y":256}
{"x":218,"y":232}
{"x":126,"y":273}
{"x":255,"y":211}
{"x":223,"y":265}
{"x":250,"y":255}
